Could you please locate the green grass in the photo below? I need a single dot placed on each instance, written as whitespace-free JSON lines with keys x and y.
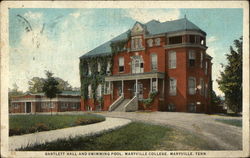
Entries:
{"x":135,"y":136}
{"x":23,"y":124}
{"x":234,"y":122}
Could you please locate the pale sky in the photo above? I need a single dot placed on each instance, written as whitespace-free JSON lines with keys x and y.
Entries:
{"x":58,"y":37}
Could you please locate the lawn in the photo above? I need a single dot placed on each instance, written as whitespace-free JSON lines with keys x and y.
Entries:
{"x":135,"y":136}
{"x":234,"y":122}
{"x":23,"y":124}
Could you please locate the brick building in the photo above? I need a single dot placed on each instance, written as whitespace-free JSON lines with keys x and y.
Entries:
{"x":154,"y":66}
{"x":32,"y":103}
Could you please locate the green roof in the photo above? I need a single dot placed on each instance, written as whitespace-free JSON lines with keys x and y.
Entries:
{"x":153,"y":28}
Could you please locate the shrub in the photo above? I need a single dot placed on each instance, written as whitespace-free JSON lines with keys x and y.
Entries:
{"x":42,"y":127}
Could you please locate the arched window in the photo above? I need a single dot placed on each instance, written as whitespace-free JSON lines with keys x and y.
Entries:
{"x":191,"y":85}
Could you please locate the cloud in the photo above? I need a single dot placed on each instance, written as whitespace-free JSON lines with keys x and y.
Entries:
{"x":33,"y":15}
{"x":75,"y":14}
{"x":212,"y":39}
{"x":145,"y":15}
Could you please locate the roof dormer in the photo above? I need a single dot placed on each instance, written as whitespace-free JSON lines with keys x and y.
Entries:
{"x":138,"y":29}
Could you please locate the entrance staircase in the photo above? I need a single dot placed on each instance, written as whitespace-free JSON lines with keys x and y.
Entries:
{"x":121,"y":106}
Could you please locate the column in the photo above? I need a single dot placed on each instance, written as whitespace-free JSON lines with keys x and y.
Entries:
{"x":122,"y":87}
{"x":25,"y":107}
{"x":157,"y":84}
{"x":136,"y":87}
{"x":151,"y":84}
{"x":163,"y":86}
{"x":109,"y":87}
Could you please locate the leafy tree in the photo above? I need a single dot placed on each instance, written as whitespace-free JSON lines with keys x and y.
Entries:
{"x":36,"y":85}
{"x":230,"y":81}
{"x":14,"y":92}
{"x":50,"y":87}
{"x":216,"y":100}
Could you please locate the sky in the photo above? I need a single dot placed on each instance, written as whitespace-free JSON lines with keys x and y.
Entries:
{"x":58,"y":37}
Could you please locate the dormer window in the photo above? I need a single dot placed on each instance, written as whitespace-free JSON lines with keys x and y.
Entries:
{"x":136,"y":43}
{"x":192,"y":38}
{"x":150,"y":43}
{"x":157,"y":41}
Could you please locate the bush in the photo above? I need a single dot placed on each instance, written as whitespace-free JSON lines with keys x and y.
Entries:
{"x":41,"y":127}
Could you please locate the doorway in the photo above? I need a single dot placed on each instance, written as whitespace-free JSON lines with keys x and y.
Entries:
{"x":28,"y":107}
{"x":139,"y":90}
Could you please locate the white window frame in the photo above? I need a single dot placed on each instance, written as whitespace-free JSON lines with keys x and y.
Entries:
{"x":191,"y":56}
{"x":99,"y":91}
{"x":89,"y":69}
{"x":171,"y":107}
{"x":99,"y":67}
{"x":172,"y":60}
{"x":121,"y":63}
{"x":154,"y":85}
{"x":107,"y":88}
{"x":172,"y":86}
{"x":89,"y":91}
{"x":108,"y":68}
{"x":154,"y":64}
{"x":191,"y":88}
{"x":136,"y":43}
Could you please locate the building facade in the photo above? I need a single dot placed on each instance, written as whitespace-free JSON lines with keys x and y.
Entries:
{"x":154,"y":66}
{"x":32,"y":103}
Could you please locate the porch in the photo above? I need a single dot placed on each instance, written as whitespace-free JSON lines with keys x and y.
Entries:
{"x":137,"y":87}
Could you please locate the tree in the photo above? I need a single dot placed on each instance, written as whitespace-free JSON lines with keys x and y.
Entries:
{"x":14,"y":92}
{"x":215,"y":100}
{"x":36,"y":85}
{"x":230,"y":81}
{"x":50,"y":87}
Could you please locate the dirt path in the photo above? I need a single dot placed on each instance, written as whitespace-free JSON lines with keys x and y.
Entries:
{"x":219,"y":136}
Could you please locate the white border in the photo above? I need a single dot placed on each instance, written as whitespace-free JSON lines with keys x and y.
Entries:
{"x":121,"y":4}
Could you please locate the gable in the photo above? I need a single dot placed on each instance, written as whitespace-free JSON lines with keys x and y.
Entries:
{"x":137,"y":29}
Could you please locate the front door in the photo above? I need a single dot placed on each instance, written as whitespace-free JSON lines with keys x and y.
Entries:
{"x":139,"y":90}
{"x":28,"y":107}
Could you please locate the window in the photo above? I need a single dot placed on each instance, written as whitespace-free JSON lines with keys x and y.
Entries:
{"x":73,"y":106}
{"x":99,"y":91}
{"x":98,"y":67}
{"x":191,"y":107}
{"x":121,"y":64}
{"x":15,"y":105}
{"x":89,"y":91}
{"x":206,"y":90}
{"x":137,"y":64}
{"x":150,"y":43}
{"x":206,"y":66}
{"x":191,"y":85}
{"x":175,"y":40}
{"x":136,"y":43}
{"x":202,"y":86}
{"x":64,"y":106}
{"x":89,"y":69}
{"x":191,"y":58}
{"x":202,"y":41}
{"x":107,"y":88}
{"x":201,"y":59}
{"x":154,"y":85}
{"x":44,"y":105}
{"x":171,"y":107}
{"x":154,"y":62}
{"x":172,"y":86}
{"x":172,"y":60}
{"x":108,"y":68}
{"x":192,"y":38}
{"x":51,"y":105}
{"x":157,"y":41}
